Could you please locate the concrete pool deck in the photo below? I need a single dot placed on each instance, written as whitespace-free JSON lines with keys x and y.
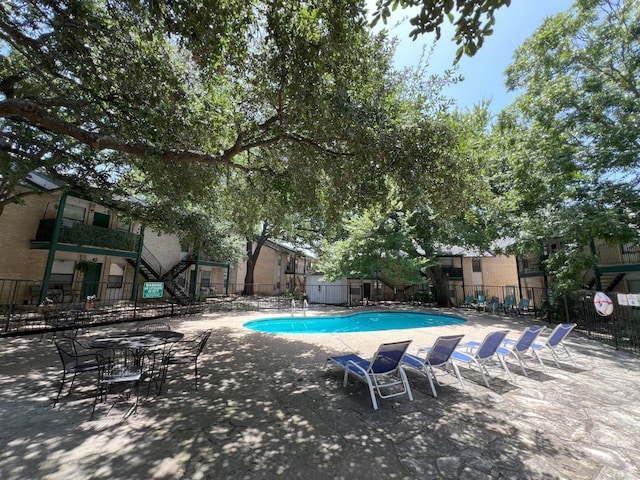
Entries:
{"x":267,"y":409}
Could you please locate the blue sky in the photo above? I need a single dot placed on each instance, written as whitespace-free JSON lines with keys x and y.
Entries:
{"x":484,"y":72}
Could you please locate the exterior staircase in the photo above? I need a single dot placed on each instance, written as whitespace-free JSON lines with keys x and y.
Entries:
{"x":609,"y":281}
{"x":151,"y":270}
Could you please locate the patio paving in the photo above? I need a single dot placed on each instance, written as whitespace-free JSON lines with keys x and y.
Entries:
{"x":267,"y":409}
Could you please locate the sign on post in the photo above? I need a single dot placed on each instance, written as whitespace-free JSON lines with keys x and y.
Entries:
{"x":153,"y":290}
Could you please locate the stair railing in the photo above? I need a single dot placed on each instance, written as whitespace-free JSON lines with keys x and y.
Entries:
{"x":152,"y":261}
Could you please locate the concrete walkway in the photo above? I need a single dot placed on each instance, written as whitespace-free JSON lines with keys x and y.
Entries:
{"x":267,"y":409}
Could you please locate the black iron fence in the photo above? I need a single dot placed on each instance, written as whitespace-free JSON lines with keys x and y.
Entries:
{"x":621,"y":329}
{"x":21,"y":313}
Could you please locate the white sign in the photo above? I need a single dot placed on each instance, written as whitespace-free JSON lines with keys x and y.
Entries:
{"x":603,"y":304}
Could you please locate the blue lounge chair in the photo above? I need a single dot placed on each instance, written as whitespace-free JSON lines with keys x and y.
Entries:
{"x":554,"y":343}
{"x":475,"y":354}
{"x":518,"y":348}
{"x":382,"y":372}
{"x":437,"y":356}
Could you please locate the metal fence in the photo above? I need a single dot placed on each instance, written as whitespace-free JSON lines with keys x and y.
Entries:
{"x":20,"y":313}
{"x":621,"y":329}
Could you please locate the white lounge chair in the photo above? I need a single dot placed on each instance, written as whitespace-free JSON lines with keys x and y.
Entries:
{"x":437,"y":356}
{"x":555,"y":343}
{"x":518,"y":348}
{"x":479,"y":354}
{"x":382,"y":372}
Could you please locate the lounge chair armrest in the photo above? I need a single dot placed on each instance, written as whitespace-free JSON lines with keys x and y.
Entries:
{"x":351,"y":363}
{"x":469,"y":347}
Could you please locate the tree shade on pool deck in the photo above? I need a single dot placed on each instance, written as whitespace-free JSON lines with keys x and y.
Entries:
{"x":358,"y":322}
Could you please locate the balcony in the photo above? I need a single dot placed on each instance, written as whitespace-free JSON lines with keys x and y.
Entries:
{"x":615,"y":255}
{"x":530,"y":265}
{"x":87,"y":235}
{"x":455,"y":273}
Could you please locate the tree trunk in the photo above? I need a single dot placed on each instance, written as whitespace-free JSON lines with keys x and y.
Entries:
{"x":252,"y":259}
{"x":441,"y":282}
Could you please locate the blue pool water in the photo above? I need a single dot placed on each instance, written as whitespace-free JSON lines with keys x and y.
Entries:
{"x":358,"y":322}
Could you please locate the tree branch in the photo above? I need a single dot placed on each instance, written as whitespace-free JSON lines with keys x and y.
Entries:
{"x":18,"y":109}
{"x":317,"y":146}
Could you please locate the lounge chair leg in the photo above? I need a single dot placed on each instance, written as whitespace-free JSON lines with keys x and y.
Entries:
{"x":458,"y":375}
{"x":405,"y":381}
{"x":373,"y":394}
{"x":569,"y":355}
{"x":345,"y":381}
{"x":506,"y":369}
{"x":483,"y":371}
{"x":430,"y":376}
{"x":521,"y":362}
{"x":537,"y":355}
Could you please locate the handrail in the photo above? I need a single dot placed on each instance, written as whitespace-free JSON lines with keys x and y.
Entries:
{"x":152,"y":261}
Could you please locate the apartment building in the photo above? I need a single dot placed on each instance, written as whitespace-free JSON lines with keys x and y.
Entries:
{"x":65,"y":248}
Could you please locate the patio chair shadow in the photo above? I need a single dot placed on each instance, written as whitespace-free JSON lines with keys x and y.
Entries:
{"x":499,"y":384}
{"x":446,"y":391}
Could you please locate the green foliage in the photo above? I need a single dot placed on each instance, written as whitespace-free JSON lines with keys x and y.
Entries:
{"x":273,"y":113}
{"x":376,"y":241}
{"x":473,"y":19}
{"x":565,"y":153}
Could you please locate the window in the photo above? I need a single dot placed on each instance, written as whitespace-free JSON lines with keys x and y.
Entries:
{"x":630,"y":248}
{"x":61,"y":281}
{"x":72,"y":214}
{"x":446,"y":261}
{"x":101,"y":220}
{"x":475,"y":264}
{"x":205,"y":278}
{"x":116,"y":276}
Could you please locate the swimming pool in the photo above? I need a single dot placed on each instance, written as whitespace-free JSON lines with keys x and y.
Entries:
{"x":358,"y":322}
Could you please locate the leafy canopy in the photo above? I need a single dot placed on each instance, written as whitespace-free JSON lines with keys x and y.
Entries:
{"x":570,"y":142}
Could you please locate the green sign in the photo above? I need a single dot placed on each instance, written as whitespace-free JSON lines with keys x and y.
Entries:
{"x":153,"y":290}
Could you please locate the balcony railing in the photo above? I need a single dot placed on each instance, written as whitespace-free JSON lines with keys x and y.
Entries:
{"x":613,"y":255}
{"x":453,"y":272}
{"x":84,"y":234}
{"x":530,"y":264}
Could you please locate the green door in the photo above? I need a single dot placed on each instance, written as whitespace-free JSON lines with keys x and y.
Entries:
{"x":91,"y":281}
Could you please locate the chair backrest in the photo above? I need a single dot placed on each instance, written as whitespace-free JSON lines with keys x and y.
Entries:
{"x":490,"y":344}
{"x":482,"y":299}
{"x":67,"y":350}
{"x":468,"y":299}
{"x":509,"y":301}
{"x":204,"y":338}
{"x":495,"y":301}
{"x":388,"y":357}
{"x":527,"y":337}
{"x":442,"y":349}
{"x":524,"y":303}
{"x":121,"y":364}
{"x":153,"y":327}
{"x":559,"y":333}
